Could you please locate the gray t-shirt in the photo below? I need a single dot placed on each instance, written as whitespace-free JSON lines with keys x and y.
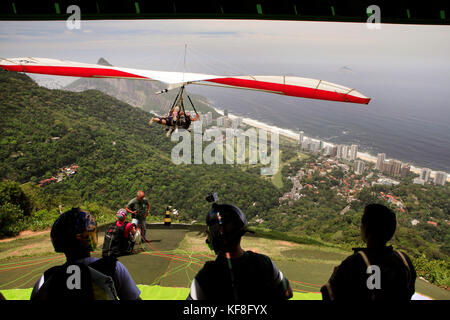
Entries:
{"x":139,"y":206}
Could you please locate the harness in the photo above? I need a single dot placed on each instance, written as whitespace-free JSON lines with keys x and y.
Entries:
{"x":398,"y":254}
{"x":183,"y":121}
{"x":368,"y":264}
{"x":115,"y":243}
{"x":253,"y":274}
{"x":77,"y":281}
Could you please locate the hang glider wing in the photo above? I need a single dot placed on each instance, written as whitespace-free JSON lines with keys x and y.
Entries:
{"x":285,"y":85}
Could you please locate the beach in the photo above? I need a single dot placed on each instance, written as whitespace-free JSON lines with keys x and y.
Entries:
{"x":295,"y":137}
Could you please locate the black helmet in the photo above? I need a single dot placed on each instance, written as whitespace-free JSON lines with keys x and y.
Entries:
{"x":74,"y":229}
{"x":226,"y":225}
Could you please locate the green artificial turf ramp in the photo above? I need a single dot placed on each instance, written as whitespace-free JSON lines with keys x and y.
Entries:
{"x":163,"y":293}
{"x":17,"y":294}
{"x":150,"y":293}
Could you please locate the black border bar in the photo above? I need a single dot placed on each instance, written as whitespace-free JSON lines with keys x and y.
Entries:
{"x":399,"y":11}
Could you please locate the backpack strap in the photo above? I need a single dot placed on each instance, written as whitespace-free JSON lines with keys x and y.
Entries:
{"x":103,"y":287}
{"x":365,"y":258}
{"x":408,"y":270}
{"x":105,"y":265}
{"x":367,"y":262}
{"x":329,"y":290}
{"x":403,"y":259}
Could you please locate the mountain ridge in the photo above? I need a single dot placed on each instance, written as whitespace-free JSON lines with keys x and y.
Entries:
{"x":138,"y":93}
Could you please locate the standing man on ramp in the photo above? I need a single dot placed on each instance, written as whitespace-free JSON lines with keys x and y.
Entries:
{"x":139,"y":208}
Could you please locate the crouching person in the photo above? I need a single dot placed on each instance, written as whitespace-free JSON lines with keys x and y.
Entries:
{"x":236,"y":274}
{"x":82,"y":277}
{"x":120,"y":237}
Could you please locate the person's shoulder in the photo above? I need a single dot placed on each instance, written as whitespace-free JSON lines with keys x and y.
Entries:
{"x":258,"y":256}
{"x":132,"y":202}
{"x":121,"y":271}
{"x":355,"y":257}
{"x":120,"y":266}
{"x":260,"y":259}
{"x":208,"y":270}
{"x":402,"y":255}
{"x":401,"y":252}
{"x":348,"y":264}
{"x":128,"y":225}
{"x":208,"y":265}
{"x":88,"y":260}
{"x":351,"y":258}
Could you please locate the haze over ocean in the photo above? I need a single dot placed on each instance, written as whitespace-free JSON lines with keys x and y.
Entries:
{"x":405,"y":69}
{"x":405,"y":121}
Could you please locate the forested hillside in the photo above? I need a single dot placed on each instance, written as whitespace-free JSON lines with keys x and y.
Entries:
{"x":116,"y":151}
{"x":138,"y":93}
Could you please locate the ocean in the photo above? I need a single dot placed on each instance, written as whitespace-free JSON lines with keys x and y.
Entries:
{"x":407,"y":124}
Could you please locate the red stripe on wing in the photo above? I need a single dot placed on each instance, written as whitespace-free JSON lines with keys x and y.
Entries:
{"x":290,"y":90}
{"x":72,"y":71}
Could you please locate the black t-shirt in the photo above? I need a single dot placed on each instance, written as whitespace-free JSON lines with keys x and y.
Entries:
{"x":350,"y":280}
{"x":255,"y":278}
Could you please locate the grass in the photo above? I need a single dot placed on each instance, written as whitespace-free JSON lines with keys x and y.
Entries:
{"x":174,"y":256}
{"x":26,"y":247}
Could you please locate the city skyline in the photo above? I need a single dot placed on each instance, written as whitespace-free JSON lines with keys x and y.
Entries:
{"x":397,"y":57}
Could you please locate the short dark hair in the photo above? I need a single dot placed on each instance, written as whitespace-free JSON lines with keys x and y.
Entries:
{"x":379,"y":222}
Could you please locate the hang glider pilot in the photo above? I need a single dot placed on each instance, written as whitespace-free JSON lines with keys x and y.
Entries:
{"x":176,"y":117}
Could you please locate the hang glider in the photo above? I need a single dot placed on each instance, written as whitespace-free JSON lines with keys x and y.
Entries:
{"x":284,"y":85}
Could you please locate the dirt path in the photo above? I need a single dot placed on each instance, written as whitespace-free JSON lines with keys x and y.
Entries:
{"x":26,"y":234}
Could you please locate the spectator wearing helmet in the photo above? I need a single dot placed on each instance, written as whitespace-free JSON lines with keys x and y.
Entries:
{"x":236,"y":274}
{"x":129,"y":231}
{"x":377,"y":272}
{"x":120,"y":237}
{"x":74,"y":233}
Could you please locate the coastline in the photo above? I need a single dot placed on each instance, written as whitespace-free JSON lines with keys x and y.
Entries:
{"x":295,"y":137}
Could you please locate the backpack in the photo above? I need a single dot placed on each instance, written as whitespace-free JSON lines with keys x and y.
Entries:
{"x":115,"y":243}
{"x":407,"y":288}
{"x":252,"y":274}
{"x":78,"y":281}
{"x":396,"y":275}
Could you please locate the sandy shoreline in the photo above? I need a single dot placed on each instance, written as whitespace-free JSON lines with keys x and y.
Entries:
{"x":294,"y":136}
